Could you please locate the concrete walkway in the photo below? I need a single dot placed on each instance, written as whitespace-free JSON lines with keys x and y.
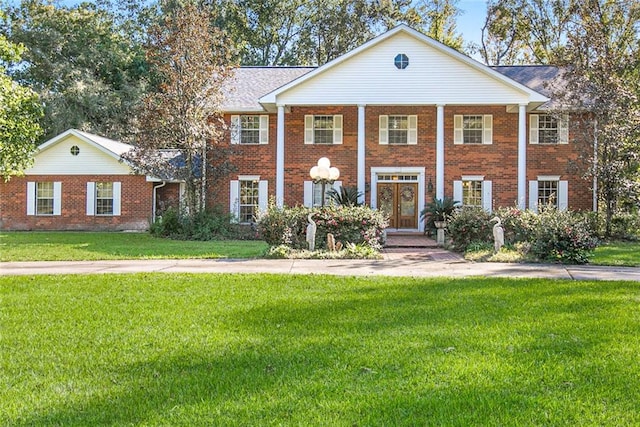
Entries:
{"x":419,"y":266}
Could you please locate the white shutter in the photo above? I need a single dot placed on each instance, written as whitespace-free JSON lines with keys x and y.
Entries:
{"x":308,"y":129}
{"x":57,"y":198}
{"x":563,"y":195}
{"x":234,"y":199}
{"x":117,"y":198}
{"x":412,"y":135}
{"x":457,"y":191}
{"x":337,"y":185}
{"x":91,"y":198}
{"x":563,"y":129}
{"x":308,"y":194}
{"x":337,"y":129}
{"x":263,"y":194}
{"x":533,"y":195}
{"x":31,"y":198}
{"x":534,"y":123}
{"x":264,"y":129}
{"x":487,"y":129}
{"x":487,"y":196}
{"x":458,"y":135}
{"x":384,"y":130}
{"x":235,"y":129}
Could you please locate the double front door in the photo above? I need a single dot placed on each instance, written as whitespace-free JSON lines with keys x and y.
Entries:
{"x":400,"y":202}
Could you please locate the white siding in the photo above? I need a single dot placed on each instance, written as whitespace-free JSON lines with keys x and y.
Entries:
{"x":57,"y":160}
{"x":431,"y":77}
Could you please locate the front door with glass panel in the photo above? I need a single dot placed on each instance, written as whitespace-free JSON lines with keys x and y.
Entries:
{"x":400,"y":201}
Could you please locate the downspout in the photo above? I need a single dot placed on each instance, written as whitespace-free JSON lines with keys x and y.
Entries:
{"x":153,"y":208}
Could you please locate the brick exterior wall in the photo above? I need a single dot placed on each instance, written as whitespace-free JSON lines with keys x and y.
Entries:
{"x":497,"y":162}
{"x":136,"y":202}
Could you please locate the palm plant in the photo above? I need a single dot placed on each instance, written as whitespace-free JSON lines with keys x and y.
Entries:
{"x":346,"y":196}
{"x":437,"y":210}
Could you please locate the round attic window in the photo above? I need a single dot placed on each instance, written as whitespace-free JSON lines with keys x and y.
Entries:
{"x":75,"y":150}
{"x":401,"y":61}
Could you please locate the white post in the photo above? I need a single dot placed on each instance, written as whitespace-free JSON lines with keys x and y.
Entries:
{"x":522,"y":156}
{"x":280,"y":158}
{"x":440,"y":152}
{"x":361,"y":152}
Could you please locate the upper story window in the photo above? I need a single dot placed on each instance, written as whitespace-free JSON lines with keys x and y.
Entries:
{"x":103,"y":198}
{"x":398,"y":130}
{"x":401,"y":61}
{"x":44,"y":198}
{"x":323,"y":129}
{"x":548,"y":129}
{"x":250,"y":129}
{"x":473,"y":129}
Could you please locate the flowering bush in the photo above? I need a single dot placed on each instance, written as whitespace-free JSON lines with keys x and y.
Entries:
{"x":562,"y":237}
{"x":469,"y":225}
{"x":354,"y":224}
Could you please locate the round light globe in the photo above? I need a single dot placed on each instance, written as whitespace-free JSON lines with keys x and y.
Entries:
{"x":313,"y":173}
{"x":324,"y":162}
{"x":323,"y":172}
{"x":334,"y":174}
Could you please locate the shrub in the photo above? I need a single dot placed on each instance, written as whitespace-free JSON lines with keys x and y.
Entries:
{"x":206,"y":225}
{"x":518,"y":225}
{"x":467,"y":226}
{"x":624,"y":226}
{"x":355,"y":224}
{"x":562,"y":237}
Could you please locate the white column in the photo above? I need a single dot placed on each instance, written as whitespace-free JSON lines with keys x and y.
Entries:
{"x":280,"y":158}
{"x":440,"y":152}
{"x":522,"y":156}
{"x":361,"y":152}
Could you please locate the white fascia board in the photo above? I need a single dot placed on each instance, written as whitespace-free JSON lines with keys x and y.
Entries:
{"x":72,"y":132}
{"x":534,"y":97}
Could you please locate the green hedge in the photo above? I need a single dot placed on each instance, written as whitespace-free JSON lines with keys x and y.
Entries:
{"x":354,"y":224}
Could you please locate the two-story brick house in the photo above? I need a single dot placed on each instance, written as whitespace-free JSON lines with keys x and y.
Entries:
{"x":404,"y":118}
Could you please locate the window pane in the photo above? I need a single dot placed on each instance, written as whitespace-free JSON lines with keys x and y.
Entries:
{"x":317,"y":194}
{"x":547,"y":193}
{"x":472,"y":193}
{"x":44,"y":198}
{"x":547,"y":129}
{"x":472,"y":129}
{"x":104,"y":198}
{"x":249,"y":129}
{"x":249,"y":196}
{"x":323,"y":129}
{"x":398,"y":129}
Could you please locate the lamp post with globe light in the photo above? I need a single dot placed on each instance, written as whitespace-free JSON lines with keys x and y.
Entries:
{"x":323,"y":173}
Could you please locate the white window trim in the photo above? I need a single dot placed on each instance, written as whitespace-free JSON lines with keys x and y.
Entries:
{"x":563,"y":192}
{"x":234,"y":195}
{"x":31,"y":198}
{"x":487,"y":190}
{"x":308,"y":192}
{"x":412,"y":129}
{"x":534,"y":129}
{"x":92,"y":196}
{"x":487,"y":129}
{"x":236,"y":129}
{"x":309,"y":128}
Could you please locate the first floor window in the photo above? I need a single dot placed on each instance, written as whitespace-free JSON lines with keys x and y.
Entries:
{"x":472,"y":193}
{"x":548,"y":193}
{"x":247,"y":195}
{"x":249,"y":200}
{"x":44,"y":198}
{"x":104,"y":198}
{"x":317,"y":194}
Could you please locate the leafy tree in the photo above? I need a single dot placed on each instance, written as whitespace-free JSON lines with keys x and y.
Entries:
{"x":526,"y":31}
{"x":439,"y":18}
{"x":20,"y":112}
{"x":180,"y":120}
{"x":87,"y":71}
{"x":601,"y":77}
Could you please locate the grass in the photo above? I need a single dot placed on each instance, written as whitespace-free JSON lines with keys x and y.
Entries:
{"x":89,"y":246}
{"x":617,"y":253}
{"x":153,"y":349}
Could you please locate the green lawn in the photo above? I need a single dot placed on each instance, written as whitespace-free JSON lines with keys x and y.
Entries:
{"x":163,"y":349}
{"x":89,"y":246}
{"x":618,"y":253}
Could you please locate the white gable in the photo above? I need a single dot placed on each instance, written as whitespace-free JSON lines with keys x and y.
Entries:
{"x":435,"y":75}
{"x":55,"y":158}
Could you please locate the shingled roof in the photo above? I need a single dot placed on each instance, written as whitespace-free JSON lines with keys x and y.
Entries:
{"x":250,"y":83}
